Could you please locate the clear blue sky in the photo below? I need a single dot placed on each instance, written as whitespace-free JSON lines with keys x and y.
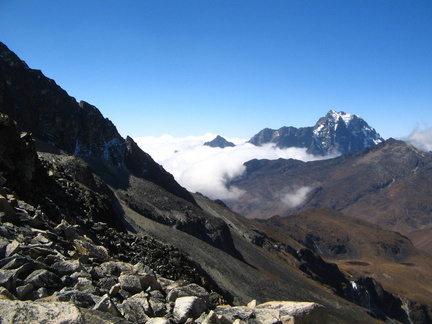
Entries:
{"x":232,"y":67}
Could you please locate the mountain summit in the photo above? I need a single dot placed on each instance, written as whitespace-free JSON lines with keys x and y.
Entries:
{"x":337,"y":132}
{"x":219,"y":141}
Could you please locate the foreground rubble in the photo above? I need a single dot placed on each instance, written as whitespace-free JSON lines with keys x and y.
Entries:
{"x":59,"y":274}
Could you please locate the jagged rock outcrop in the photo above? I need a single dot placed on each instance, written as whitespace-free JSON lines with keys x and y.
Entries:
{"x":219,"y":141}
{"x":336,"y":133}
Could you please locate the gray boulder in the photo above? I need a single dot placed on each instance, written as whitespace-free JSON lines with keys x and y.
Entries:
{"x":188,"y":307}
{"x":115,"y":268}
{"x":8,"y":278}
{"x":230,"y":314}
{"x":107,"y":305}
{"x":301,"y":312}
{"x":43,"y":278}
{"x":39,"y":312}
{"x":77,"y":297}
{"x":136,"y":309}
{"x":189,"y":290}
{"x":68,"y":267}
{"x":158,"y":320}
{"x":135,"y":283}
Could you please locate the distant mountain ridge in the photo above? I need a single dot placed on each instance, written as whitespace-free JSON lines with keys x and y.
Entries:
{"x":388,"y":185}
{"x":336,"y":133}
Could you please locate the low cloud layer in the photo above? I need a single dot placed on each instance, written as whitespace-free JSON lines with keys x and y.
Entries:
{"x":421,"y":138}
{"x":295,"y":196}
{"x":205,"y":169}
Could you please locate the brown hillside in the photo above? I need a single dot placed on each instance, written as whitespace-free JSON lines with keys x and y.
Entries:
{"x":359,"y":248}
{"x":388,"y":185}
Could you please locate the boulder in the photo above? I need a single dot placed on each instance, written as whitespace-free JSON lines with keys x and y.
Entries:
{"x":136,"y":309}
{"x":68,"y":267}
{"x":5,"y":294}
{"x":131,"y":283}
{"x":188,"y":307}
{"x":302,"y":312}
{"x":158,"y":320}
{"x":24,"y":290}
{"x":189,"y":290}
{"x":115,"y":268}
{"x":107,"y":305}
{"x":230,"y":314}
{"x":12,"y":248}
{"x":86,"y":285}
{"x":91,"y":250}
{"x":43,"y":278}
{"x":135,"y":283}
{"x":77,"y":297}
{"x":3,"y":244}
{"x":8,"y":278}
{"x":39,"y":312}
{"x":158,"y":303}
{"x":107,"y":283}
{"x":213,"y":318}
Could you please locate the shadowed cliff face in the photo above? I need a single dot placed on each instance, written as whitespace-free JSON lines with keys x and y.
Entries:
{"x":41,"y":107}
{"x":61,"y":124}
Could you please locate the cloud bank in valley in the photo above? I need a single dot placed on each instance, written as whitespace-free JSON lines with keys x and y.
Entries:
{"x":421,"y":138}
{"x":205,"y":169}
{"x":294,"y":196}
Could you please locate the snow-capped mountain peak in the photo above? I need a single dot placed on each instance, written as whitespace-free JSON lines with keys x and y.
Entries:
{"x":337,"y":132}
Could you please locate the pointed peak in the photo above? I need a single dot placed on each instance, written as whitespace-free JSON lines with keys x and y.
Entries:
{"x":219,"y":141}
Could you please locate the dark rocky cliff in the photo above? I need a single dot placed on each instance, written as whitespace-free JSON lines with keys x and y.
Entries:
{"x":41,"y":107}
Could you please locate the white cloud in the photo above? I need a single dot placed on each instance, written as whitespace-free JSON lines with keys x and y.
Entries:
{"x":205,"y":169}
{"x":421,"y":138}
{"x":295,"y":196}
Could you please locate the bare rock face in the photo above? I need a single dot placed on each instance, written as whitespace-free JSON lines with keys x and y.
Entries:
{"x":142,"y":165}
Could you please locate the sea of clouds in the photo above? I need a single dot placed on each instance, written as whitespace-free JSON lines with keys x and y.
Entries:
{"x":204,"y":169}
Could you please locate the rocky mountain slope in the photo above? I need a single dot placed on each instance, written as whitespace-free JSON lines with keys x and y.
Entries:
{"x":98,"y":220}
{"x":387,"y":185}
{"x":359,"y":248}
{"x":336,"y":133}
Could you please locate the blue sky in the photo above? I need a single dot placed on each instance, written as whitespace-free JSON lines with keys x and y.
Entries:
{"x":232,"y":67}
